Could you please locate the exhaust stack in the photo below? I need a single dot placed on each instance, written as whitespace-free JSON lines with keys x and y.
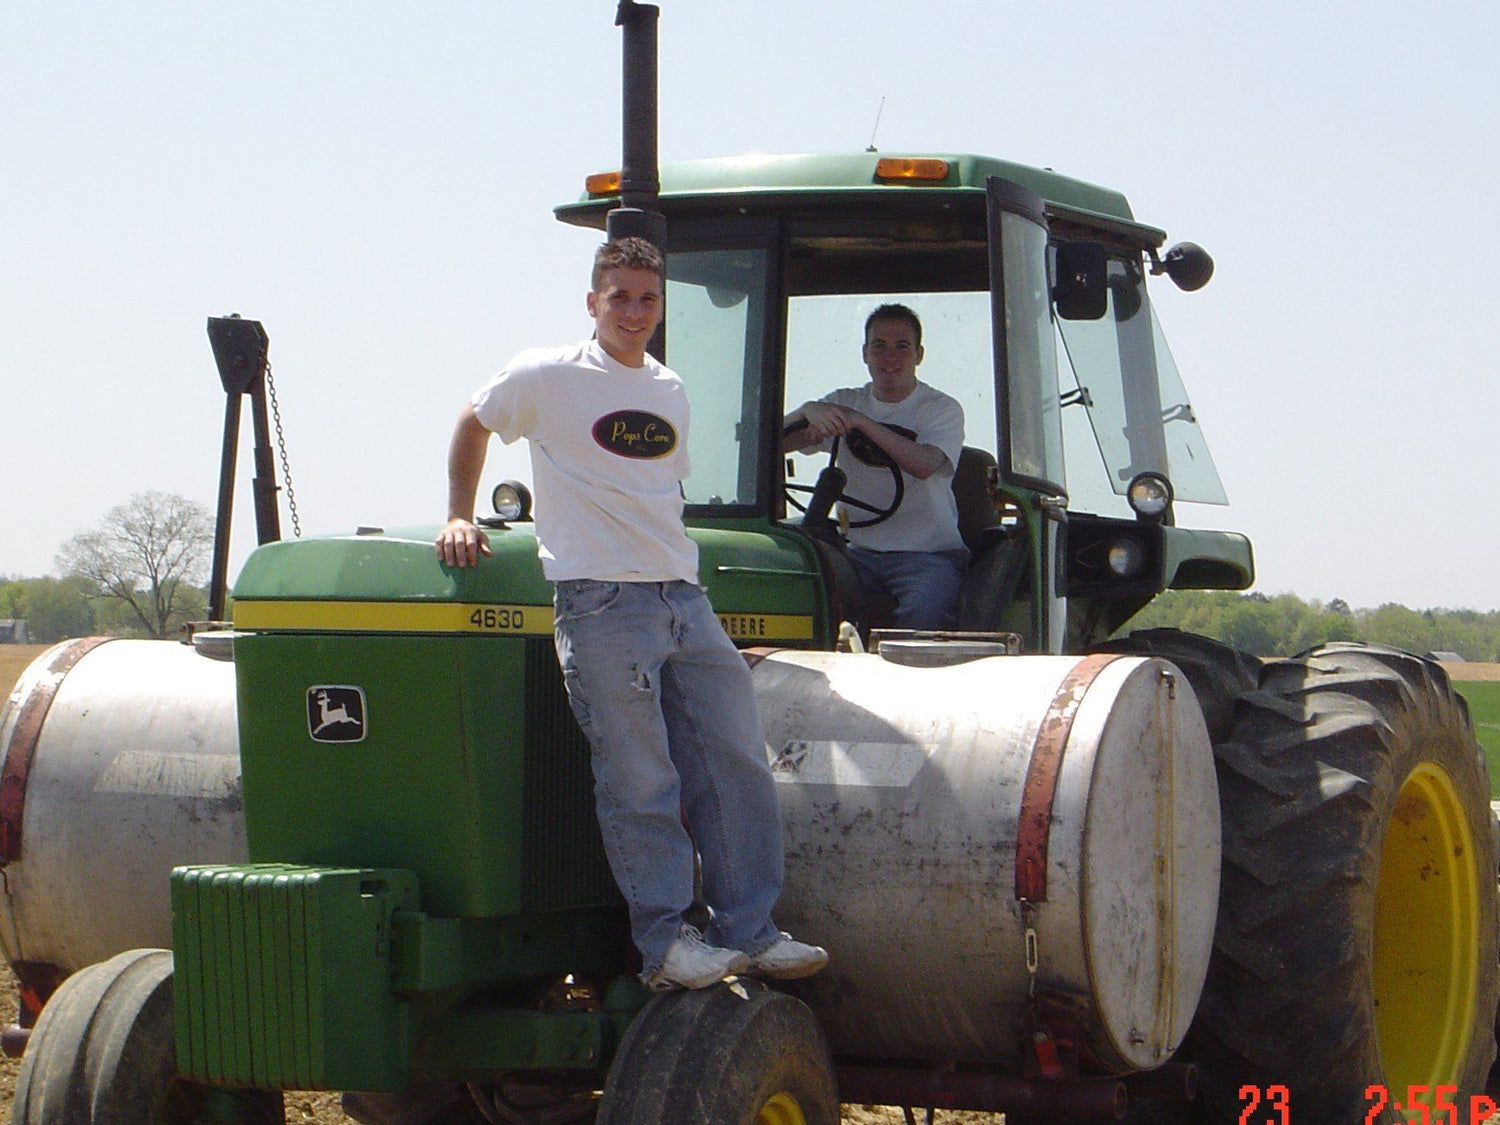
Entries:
{"x":640,"y":184}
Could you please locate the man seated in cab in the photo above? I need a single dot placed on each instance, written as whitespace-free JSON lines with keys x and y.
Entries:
{"x":917,"y":555}
{"x":655,"y":683}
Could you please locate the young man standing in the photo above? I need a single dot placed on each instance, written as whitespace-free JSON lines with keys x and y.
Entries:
{"x":662,"y":694}
{"x":917,"y":555}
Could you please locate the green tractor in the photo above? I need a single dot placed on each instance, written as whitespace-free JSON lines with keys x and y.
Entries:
{"x":1061,"y":875}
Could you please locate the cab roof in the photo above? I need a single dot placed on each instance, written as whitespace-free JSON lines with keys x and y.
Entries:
{"x":789,"y":183}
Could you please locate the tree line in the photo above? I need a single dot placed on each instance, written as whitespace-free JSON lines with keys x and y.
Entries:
{"x":141,"y":572}
{"x":1282,"y":624}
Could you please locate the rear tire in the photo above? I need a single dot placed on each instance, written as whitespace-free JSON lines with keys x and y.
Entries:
{"x":733,"y":1054}
{"x":103,"y":1051}
{"x":1356,"y":944}
{"x":1219,"y":674}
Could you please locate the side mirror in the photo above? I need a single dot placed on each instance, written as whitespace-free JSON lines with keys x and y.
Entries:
{"x":1080,"y":290}
{"x":1187,"y":264}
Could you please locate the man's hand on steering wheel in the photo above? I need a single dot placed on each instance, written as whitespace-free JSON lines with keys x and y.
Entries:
{"x":830,"y":488}
{"x":817,"y":421}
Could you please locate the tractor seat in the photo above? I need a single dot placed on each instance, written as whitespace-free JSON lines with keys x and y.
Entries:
{"x":999,"y":556}
{"x":971,"y":489}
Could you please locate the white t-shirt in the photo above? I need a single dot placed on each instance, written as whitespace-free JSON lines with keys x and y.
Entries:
{"x":608,"y":457}
{"x":927,"y":519}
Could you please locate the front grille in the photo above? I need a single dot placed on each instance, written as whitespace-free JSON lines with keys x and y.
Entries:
{"x":562,"y":850}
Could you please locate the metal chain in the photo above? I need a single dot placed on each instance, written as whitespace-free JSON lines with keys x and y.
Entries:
{"x":286,"y":468}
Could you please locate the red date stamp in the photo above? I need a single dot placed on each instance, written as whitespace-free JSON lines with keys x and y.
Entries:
{"x":1422,"y":1104}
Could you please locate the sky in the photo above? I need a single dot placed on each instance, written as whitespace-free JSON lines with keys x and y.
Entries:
{"x":374,"y":182}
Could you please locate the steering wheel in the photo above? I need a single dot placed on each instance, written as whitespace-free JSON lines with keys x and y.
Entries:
{"x":832,"y":482}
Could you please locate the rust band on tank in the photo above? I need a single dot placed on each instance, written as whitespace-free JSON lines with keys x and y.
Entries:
{"x":1035,"y":823}
{"x":21,"y":749}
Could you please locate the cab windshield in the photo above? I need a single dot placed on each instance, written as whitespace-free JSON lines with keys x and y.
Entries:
{"x":721,"y":328}
{"x":825,"y":333}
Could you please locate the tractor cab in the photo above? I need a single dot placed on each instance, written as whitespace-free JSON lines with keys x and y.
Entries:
{"x":1031,"y":288}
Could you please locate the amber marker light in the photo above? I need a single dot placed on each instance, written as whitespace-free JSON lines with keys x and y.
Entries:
{"x":603,"y":183}
{"x":902,"y":169}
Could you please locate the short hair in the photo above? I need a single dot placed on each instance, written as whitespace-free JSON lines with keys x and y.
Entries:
{"x":632,"y":253}
{"x":895,"y":312}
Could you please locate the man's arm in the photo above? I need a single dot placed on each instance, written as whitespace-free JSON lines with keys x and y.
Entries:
{"x":460,"y":543}
{"x":920,"y":460}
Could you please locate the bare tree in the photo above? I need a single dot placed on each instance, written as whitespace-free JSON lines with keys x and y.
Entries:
{"x":148,"y":555}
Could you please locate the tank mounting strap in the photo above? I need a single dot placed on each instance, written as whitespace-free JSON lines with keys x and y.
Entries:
{"x":1037,"y":794}
{"x":20,"y":749}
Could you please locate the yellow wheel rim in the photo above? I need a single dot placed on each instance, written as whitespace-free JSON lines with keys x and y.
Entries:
{"x":1426,"y":935}
{"x":782,"y":1109}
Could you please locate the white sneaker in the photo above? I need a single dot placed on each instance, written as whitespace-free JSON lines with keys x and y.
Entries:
{"x":692,"y":963}
{"x":786,"y":959}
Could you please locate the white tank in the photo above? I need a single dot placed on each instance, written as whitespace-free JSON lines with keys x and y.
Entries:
{"x":121,"y":760}
{"x":904,"y":790}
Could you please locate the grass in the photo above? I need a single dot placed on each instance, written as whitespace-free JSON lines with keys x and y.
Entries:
{"x":1484,"y":708}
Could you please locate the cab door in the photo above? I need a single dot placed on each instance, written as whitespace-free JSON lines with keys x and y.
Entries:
{"x":1026,"y":392}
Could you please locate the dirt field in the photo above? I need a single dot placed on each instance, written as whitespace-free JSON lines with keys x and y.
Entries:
{"x":322,"y":1109}
{"x":13,"y":661}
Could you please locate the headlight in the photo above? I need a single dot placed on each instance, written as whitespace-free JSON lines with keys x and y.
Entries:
{"x":1126,"y":557}
{"x":1150,"y":495}
{"x":511,"y":500}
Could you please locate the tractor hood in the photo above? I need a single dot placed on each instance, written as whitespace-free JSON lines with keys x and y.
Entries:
{"x":765,"y":586}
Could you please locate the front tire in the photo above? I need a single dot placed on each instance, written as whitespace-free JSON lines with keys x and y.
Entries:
{"x":733,"y":1054}
{"x":1356,"y":945}
{"x":103,"y":1053}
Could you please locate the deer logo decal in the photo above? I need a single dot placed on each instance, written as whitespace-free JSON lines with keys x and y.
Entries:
{"x":336,"y":713}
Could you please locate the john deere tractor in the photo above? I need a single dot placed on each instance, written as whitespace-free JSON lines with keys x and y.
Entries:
{"x":1061,"y":875}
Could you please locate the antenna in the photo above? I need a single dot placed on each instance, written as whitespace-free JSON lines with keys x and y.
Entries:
{"x":878,"y":112}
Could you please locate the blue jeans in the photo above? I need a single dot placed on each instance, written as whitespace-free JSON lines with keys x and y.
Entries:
{"x":668,"y":707}
{"x":924,"y":583}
